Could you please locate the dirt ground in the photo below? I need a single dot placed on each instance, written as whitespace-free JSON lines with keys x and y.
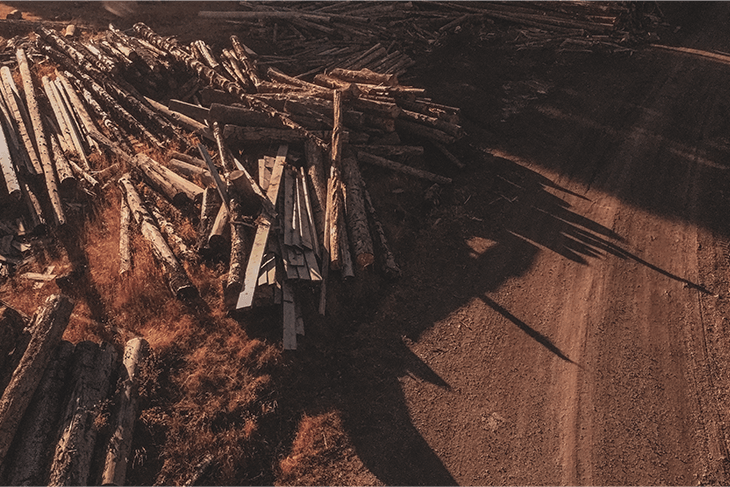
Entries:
{"x":561,"y":318}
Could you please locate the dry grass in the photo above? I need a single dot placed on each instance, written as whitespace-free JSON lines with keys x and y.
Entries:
{"x":211,"y":382}
{"x":320,"y":444}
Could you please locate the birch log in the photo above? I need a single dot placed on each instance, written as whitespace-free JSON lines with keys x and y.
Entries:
{"x":48,"y":325}
{"x":35,"y":441}
{"x":119,"y":446}
{"x":17,"y":110}
{"x":318,"y":179}
{"x":239,"y":251}
{"x":66,"y":179}
{"x":177,"y":279}
{"x":92,"y":369}
{"x":6,"y":164}
{"x":334,"y":190}
{"x":125,"y":251}
{"x":17,"y":151}
{"x":40,"y":138}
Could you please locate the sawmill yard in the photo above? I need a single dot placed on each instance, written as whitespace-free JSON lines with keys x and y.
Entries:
{"x":545,"y":294}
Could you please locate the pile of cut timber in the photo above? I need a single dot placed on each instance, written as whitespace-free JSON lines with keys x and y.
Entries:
{"x":267,"y":166}
{"x":53,"y":395}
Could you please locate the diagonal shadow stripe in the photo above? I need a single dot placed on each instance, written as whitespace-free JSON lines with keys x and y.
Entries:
{"x":534,"y":334}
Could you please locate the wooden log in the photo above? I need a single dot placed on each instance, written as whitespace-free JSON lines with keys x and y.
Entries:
{"x":37,"y":221}
{"x":192,"y":172}
{"x":177,"y":189}
{"x":200,"y":470}
{"x":177,"y":279}
{"x":40,"y":138}
{"x":356,"y":214}
{"x":364,"y":76}
{"x":253,"y":135}
{"x":396,"y":166}
{"x":11,"y":327}
{"x":173,"y":238}
{"x":225,"y":114}
{"x":17,"y":110}
{"x":201,"y":114}
{"x":245,"y":298}
{"x":277,"y":75}
{"x":217,"y":80}
{"x":426,"y":107}
{"x":77,"y":123}
{"x":347,"y":270}
{"x":217,"y":238}
{"x":239,"y":252}
{"x":424,"y":131}
{"x":386,"y":258}
{"x":451,"y":157}
{"x":390,"y":150}
{"x":17,"y":151}
{"x":48,"y":325}
{"x":195,"y":161}
{"x":248,"y":61}
{"x":318,"y":180}
{"x":119,"y":447}
{"x":92,"y":370}
{"x":125,"y":249}
{"x":337,"y":84}
{"x":209,"y":209}
{"x":105,"y":118}
{"x":8,"y":169}
{"x":183,"y":121}
{"x":334,"y":190}
{"x":33,"y":446}
{"x":66,"y":179}
{"x":452,"y":129}
{"x":102,"y":95}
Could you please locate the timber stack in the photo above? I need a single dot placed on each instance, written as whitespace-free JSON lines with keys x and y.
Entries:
{"x":270,"y":166}
{"x":67,"y":412}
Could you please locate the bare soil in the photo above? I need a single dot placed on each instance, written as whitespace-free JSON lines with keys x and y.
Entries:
{"x":562,"y":314}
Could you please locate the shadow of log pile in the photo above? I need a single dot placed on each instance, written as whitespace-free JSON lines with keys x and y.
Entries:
{"x":67,"y":411}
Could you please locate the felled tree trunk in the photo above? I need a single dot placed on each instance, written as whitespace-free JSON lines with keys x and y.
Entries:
{"x":177,"y":279}
{"x":318,"y":178}
{"x":357,"y":221}
{"x":11,"y":327}
{"x":49,"y":323}
{"x":40,"y":138}
{"x":33,"y":446}
{"x":120,"y":444}
{"x":208,"y":211}
{"x":92,"y":369}
{"x":16,"y":106}
{"x":239,"y":252}
{"x":125,"y":252}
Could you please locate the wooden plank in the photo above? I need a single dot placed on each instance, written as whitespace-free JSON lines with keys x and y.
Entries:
{"x":312,"y":266}
{"x":303,"y":234}
{"x":290,"y":320}
{"x":245,"y":299}
{"x":288,"y":207}
{"x":262,"y":174}
{"x":314,"y":237}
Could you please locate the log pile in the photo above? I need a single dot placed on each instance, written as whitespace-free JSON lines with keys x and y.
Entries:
{"x":53,"y":396}
{"x":270,"y":161}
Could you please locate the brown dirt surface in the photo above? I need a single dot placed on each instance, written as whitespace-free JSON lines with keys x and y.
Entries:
{"x":561,"y":318}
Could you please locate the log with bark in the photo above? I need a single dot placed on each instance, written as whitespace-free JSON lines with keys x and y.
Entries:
{"x":48,"y":325}
{"x":216,"y":79}
{"x":34,"y":444}
{"x":11,"y":327}
{"x":17,"y":110}
{"x":396,"y":166}
{"x":93,"y":366}
{"x":355,"y":212}
{"x":209,"y":209}
{"x":119,"y":447}
{"x":125,"y":249}
{"x":175,"y":274}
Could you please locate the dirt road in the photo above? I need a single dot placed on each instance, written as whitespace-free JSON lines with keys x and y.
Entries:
{"x":579,"y":334}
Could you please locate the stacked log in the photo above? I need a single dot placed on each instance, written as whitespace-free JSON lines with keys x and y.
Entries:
{"x":49,"y":411}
